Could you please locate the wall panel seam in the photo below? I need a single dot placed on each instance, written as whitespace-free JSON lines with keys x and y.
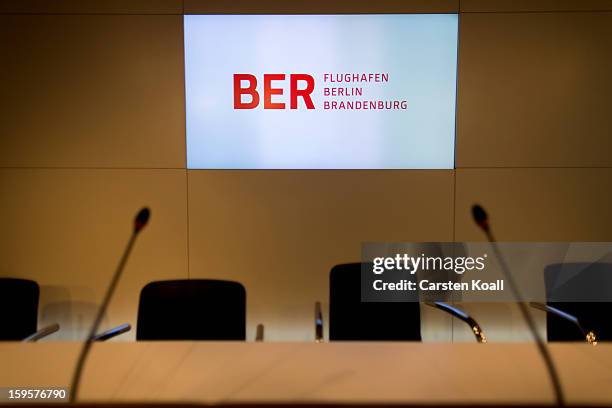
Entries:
{"x":25,"y":13}
{"x":531,"y":167}
{"x":86,"y":168}
{"x":534,"y":11}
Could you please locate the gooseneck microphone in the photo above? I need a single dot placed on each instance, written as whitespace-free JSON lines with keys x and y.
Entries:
{"x":139,"y":223}
{"x":464,"y":317}
{"x":318,"y":323}
{"x":589,"y":335}
{"x":481,"y":218}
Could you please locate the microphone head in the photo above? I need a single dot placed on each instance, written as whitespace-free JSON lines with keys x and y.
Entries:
{"x":480,"y":217}
{"x":141,"y":219}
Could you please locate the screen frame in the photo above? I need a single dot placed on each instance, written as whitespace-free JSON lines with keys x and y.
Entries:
{"x":271,"y":7}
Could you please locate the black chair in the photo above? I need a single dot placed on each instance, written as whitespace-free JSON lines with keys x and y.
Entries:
{"x":352,"y":319}
{"x":195,"y":309}
{"x":18,"y":308}
{"x":19,"y":311}
{"x":577,"y":281}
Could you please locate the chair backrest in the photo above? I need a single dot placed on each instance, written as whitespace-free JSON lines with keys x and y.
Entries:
{"x":198,"y":309}
{"x":351,"y":319}
{"x":568,"y":281}
{"x":18,"y":308}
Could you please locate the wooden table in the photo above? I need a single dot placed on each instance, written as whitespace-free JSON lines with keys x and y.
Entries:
{"x":224,"y":372}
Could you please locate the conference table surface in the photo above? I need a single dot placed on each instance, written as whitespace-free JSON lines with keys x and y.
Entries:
{"x":342,"y":372}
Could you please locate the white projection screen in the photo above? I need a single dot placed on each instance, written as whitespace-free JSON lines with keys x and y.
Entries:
{"x":321,"y":91}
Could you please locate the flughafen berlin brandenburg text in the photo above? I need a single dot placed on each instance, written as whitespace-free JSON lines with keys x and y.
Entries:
{"x":335,"y":85}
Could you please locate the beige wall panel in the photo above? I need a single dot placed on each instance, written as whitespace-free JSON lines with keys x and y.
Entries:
{"x":319,"y":6}
{"x":93,"y":6}
{"x":536,"y":204}
{"x":92,"y":91}
{"x":280,"y":232}
{"x":67,"y":229}
{"x":535,"y":90}
{"x":436,"y":325}
{"x":530,"y":205}
{"x":534,"y":5}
